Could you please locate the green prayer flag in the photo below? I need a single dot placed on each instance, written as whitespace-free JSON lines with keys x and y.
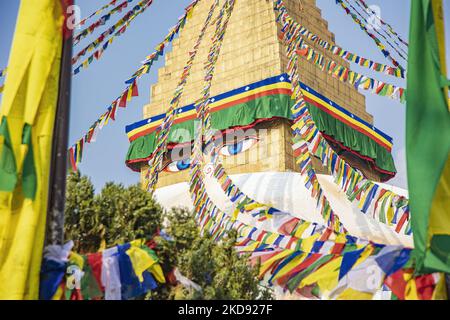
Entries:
{"x":428,"y":139}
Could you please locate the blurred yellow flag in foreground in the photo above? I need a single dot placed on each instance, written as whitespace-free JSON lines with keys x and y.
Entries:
{"x":27,"y":118}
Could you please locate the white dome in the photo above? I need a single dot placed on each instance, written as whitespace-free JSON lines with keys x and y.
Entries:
{"x":286,"y":191}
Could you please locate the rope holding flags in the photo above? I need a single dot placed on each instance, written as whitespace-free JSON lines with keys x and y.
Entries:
{"x":379,"y":24}
{"x":97,"y":12}
{"x":120,"y":26}
{"x":76,"y":150}
{"x":400,"y":51}
{"x":82,"y":34}
{"x":357,"y":80}
{"x":390,"y":29}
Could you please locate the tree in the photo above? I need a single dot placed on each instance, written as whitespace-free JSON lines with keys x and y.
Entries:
{"x":80,"y":221}
{"x":119,"y":214}
{"x":114,"y":216}
{"x":216,"y":267}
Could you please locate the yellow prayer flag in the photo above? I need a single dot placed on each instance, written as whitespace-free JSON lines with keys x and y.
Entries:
{"x":140,"y":260}
{"x":27,"y":119}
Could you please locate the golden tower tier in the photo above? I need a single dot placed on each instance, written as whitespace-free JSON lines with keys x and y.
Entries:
{"x":251,"y":100}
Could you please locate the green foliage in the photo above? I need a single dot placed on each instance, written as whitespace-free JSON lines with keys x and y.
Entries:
{"x":81,"y":223}
{"x":216,"y":267}
{"x":118,"y":215}
{"x":219,"y":271}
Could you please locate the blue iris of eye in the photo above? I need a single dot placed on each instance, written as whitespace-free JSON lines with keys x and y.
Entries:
{"x":234,"y":149}
{"x":183,"y":164}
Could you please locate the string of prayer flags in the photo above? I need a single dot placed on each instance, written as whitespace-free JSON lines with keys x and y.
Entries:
{"x":304,"y":161}
{"x":343,"y":274}
{"x":159,"y":50}
{"x":163,"y":131}
{"x":336,"y":269}
{"x":131,"y":90}
{"x":117,"y":29}
{"x":293,"y":31}
{"x":401,"y":53}
{"x":97,"y":12}
{"x":100,"y":22}
{"x":371,"y":35}
{"x":308,"y":237}
{"x":358,"y":80}
{"x":293,"y":26}
{"x":206,"y":209}
{"x":122,"y":272}
{"x":377,"y":24}
{"x":283,"y":222}
{"x":202,"y":106}
{"x":295,"y":264}
{"x":76,"y":151}
{"x":381,"y":204}
{"x":308,"y":140}
{"x":301,"y":152}
{"x":389,"y":27}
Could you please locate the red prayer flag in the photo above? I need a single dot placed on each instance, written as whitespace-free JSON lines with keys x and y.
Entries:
{"x":123,"y":100}
{"x":303,"y":52}
{"x":72,"y":159}
{"x":95,"y":261}
{"x":135,"y":92}
{"x":112,"y":114}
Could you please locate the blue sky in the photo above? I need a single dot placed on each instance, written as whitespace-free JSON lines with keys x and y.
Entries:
{"x":95,"y":88}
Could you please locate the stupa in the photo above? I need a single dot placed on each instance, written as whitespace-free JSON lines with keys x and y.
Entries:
{"x":251,"y":102}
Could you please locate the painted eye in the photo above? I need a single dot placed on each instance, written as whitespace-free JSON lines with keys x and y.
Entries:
{"x":238,"y":147}
{"x":178,"y":165}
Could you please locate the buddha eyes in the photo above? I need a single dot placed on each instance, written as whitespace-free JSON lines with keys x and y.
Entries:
{"x":178,"y":165}
{"x":226,"y":150}
{"x":237,"y":147}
